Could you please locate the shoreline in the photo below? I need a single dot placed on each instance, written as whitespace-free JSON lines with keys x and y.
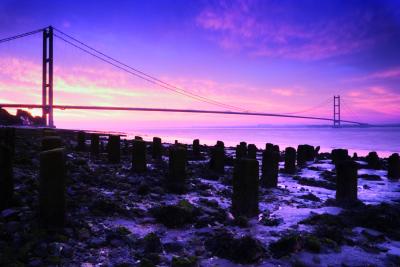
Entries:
{"x":120,"y":217}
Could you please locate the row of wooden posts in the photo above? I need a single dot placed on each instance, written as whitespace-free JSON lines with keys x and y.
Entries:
{"x":246,"y":180}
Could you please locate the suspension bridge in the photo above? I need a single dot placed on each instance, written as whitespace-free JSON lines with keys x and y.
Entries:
{"x":48,"y":106}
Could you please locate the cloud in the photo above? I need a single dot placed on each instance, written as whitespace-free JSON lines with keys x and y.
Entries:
{"x":267,"y":29}
{"x":386,"y":74}
{"x":378,"y":99}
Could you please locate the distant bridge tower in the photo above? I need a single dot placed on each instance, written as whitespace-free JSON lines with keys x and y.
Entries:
{"x":336,"y":111}
{"x":47,"y":77}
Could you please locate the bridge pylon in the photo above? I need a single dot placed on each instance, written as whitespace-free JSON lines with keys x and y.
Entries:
{"x":336,"y":111}
{"x":47,"y":77}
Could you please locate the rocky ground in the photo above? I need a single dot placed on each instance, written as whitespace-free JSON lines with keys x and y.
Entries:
{"x":118,"y":218}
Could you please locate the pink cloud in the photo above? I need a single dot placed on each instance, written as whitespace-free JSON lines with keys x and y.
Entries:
{"x":387,"y":74}
{"x":242,"y":27}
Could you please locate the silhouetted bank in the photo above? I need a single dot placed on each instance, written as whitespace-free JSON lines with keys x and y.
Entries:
{"x":74,"y":198}
{"x":22,"y":117}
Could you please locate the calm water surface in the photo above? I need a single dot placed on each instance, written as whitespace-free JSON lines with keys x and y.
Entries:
{"x":384,"y":140}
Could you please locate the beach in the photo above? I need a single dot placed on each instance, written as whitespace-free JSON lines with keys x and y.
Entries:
{"x":116,"y":216}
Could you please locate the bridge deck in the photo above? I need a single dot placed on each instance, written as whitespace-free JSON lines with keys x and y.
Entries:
{"x":64,"y":107}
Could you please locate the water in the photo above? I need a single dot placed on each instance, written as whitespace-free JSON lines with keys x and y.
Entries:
{"x":384,"y":140}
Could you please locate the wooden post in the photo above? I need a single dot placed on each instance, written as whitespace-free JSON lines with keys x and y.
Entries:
{"x":114,"y":151}
{"x":6,"y":177}
{"x":52,"y":187}
{"x":252,"y":151}
{"x":176,"y":180}
{"x":394,"y":166}
{"x":94,"y":145}
{"x":139,"y":156}
{"x":290,"y":160}
{"x":270,"y":169}
{"x":81,"y":139}
{"x":156,"y":148}
{"x":346,"y":181}
{"x":245,"y":188}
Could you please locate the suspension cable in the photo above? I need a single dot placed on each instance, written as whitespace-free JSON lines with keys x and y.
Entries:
{"x":143,"y":75}
{"x":20,"y":36}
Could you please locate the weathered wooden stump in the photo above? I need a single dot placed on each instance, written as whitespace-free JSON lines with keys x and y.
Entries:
{"x":245,"y":188}
{"x":113,"y":147}
{"x":305,"y":153}
{"x":94,"y":145}
{"x":373,"y":161}
{"x":196,"y":148}
{"x":139,"y":156}
{"x":270,"y":169}
{"x":52,"y":187}
{"x":394,"y":166}
{"x":241,"y":150}
{"x":156,"y":148}
{"x":269,"y":147}
{"x":346,"y":181}
{"x":220,"y":144}
{"x":7,"y":137}
{"x":6,"y":177}
{"x":338,"y":155}
{"x":51,"y":142}
{"x":252,"y":151}
{"x":176,"y":179}
{"x":81,"y":139}
{"x":217,"y":160}
{"x":290,"y":160}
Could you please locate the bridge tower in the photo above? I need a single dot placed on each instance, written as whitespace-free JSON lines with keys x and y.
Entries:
{"x":336,"y":111}
{"x":47,"y":77}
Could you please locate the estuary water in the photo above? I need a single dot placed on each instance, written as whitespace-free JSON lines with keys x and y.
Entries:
{"x":384,"y":140}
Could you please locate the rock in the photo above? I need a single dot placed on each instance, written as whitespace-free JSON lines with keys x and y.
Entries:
{"x":370,"y":177}
{"x":310,"y":196}
{"x":152,"y":243}
{"x":175,"y":216}
{"x":97,"y":242}
{"x":191,"y":261}
{"x":244,"y":250}
{"x":285,"y":246}
{"x":51,"y":142}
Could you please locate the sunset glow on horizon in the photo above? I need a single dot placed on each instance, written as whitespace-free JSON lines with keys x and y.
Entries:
{"x":262,"y":56}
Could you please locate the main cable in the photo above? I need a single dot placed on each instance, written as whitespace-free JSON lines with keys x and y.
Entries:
{"x":148,"y":77}
{"x":135,"y":74}
{"x":20,"y":36}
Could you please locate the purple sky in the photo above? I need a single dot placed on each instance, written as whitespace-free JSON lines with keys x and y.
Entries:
{"x":268,"y":56}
